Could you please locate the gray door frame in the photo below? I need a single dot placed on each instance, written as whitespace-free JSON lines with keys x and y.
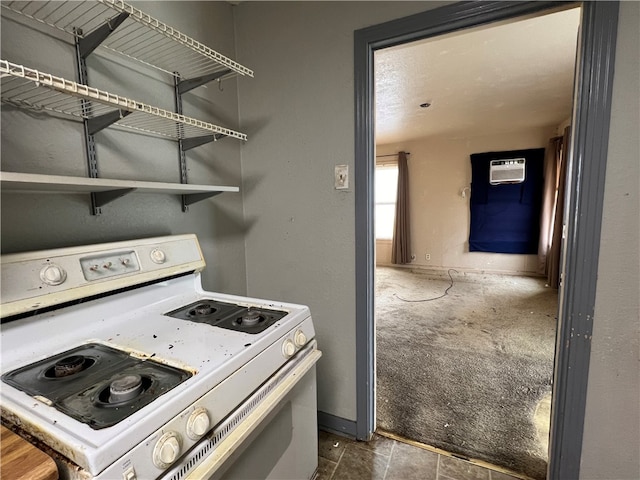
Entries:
{"x":583,"y":208}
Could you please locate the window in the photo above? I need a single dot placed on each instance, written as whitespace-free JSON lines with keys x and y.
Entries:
{"x":386,"y":186}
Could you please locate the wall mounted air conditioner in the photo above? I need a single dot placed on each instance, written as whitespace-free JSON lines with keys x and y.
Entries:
{"x":510,"y":170}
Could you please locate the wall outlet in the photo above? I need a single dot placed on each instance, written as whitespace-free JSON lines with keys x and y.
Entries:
{"x":341,"y":177}
{"x":427,"y":256}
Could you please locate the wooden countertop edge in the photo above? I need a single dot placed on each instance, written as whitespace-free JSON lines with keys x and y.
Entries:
{"x":21,"y":460}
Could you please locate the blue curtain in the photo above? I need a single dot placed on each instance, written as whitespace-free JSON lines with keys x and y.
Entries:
{"x":506,"y":218}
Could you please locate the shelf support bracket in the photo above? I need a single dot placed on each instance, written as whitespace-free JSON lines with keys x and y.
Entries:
{"x":182,"y":158}
{"x":102,"y":198}
{"x":186,"y":85}
{"x":184,"y":144}
{"x":193,"y":142}
{"x":197,"y":197}
{"x":89,"y":141}
{"x":95,"y":124}
{"x":93,"y":40}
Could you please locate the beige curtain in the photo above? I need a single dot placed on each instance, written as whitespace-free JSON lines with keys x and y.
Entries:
{"x":400,"y":247}
{"x":555,"y":171}
{"x":549,"y":195}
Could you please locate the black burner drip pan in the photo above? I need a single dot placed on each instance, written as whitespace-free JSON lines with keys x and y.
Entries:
{"x":251,"y":320}
{"x":206,"y":311}
{"x":77,"y":382}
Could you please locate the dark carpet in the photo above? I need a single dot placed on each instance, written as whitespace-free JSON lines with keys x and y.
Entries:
{"x":471,"y":372}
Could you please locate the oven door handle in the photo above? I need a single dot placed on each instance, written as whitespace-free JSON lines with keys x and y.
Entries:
{"x":225,"y":449}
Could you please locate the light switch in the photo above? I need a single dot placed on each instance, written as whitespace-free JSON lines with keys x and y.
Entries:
{"x":341,"y":180}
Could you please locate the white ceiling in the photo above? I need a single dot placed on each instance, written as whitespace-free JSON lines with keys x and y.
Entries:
{"x":487,"y":80}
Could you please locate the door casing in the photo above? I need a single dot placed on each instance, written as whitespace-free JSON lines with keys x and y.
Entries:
{"x":583,"y":207}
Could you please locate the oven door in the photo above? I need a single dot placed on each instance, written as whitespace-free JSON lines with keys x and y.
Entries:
{"x":272,"y":435}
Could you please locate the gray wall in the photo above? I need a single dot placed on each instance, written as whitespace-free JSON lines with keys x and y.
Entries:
{"x":41,"y":144}
{"x":299,"y":113}
{"x":611,"y":446}
{"x":300,"y":246}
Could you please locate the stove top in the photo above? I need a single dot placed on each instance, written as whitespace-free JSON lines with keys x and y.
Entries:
{"x":250,"y":320}
{"x":135,"y":321}
{"x":96,"y":384}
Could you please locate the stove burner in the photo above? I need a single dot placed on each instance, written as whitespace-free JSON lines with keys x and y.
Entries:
{"x":68,"y":366}
{"x":250,"y":318}
{"x":125,"y":388}
{"x":202,"y":309}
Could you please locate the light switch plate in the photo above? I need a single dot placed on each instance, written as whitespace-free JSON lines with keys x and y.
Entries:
{"x":341,"y":174}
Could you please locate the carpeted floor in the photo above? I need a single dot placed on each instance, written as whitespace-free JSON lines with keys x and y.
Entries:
{"x":470,"y":372}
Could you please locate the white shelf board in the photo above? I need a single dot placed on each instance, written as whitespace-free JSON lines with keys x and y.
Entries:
{"x":30,"y":182}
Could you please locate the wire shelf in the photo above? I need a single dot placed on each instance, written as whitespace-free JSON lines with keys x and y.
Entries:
{"x":140,"y":37}
{"x":28,"y":88}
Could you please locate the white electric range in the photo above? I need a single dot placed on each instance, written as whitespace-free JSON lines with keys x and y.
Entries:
{"x":119,"y":364}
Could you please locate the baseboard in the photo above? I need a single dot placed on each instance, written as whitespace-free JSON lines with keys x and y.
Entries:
{"x":331,"y":423}
{"x":442,"y":271}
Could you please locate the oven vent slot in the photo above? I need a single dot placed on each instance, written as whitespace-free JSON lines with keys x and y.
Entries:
{"x":239,"y":416}
{"x":193,"y":458}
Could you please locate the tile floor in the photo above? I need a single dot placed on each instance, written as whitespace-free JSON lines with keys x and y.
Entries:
{"x":383,"y":458}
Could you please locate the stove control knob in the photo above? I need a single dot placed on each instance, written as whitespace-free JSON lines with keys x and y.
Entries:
{"x":53,"y":275}
{"x":198,"y":423}
{"x":167,"y":450}
{"x":158,"y":256}
{"x":288,"y":348}
{"x":300,"y":338}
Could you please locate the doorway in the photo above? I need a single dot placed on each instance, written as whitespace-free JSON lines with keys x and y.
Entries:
{"x":584,"y":207}
{"x":464,"y":338}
